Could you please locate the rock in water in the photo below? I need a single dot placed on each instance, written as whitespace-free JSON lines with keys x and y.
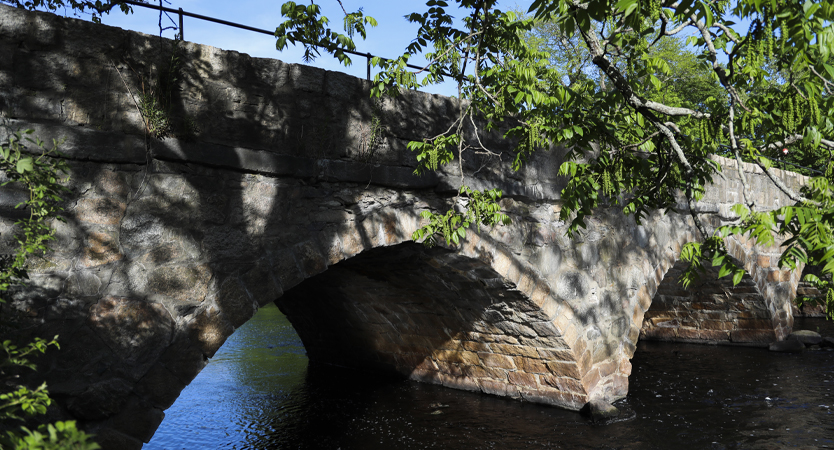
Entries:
{"x":787,"y":346}
{"x":807,"y":337}
{"x":827,"y":342}
{"x":600,"y":410}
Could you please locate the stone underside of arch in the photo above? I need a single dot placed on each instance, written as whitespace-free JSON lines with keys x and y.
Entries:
{"x":712,"y":310}
{"x":756,"y":311}
{"x":437,"y":317}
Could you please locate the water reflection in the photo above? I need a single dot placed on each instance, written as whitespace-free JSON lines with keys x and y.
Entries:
{"x":260,"y":393}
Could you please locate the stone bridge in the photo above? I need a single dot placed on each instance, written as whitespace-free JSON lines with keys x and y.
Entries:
{"x":285,"y":183}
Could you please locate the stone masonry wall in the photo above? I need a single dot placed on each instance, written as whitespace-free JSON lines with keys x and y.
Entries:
{"x":713,"y":310}
{"x":437,"y":317}
{"x":269,"y":180}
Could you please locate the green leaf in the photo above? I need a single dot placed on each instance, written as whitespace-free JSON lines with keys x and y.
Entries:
{"x":737,"y":277}
{"x":24,"y":165}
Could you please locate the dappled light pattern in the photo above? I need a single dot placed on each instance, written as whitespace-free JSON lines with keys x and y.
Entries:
{"x":268,"y":188}
{"x":713,"y":310}
{"x":437,"y":317}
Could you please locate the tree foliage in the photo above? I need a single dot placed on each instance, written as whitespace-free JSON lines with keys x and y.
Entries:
{"x":642,"y":93}
{"x":27,"y":164}
{"x":95,"y":7}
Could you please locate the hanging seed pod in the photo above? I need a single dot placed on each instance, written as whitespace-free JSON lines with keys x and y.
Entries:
{"x":815,"y":111}
{"x":769,"y":39}
{"x":783,"y":39}
{"x":606,"y":182}
{"x":654,"y":10}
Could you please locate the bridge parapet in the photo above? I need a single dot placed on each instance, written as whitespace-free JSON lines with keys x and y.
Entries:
{"x":171,"y":244}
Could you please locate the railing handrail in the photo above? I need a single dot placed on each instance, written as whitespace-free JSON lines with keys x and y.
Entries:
{"x":182,"y":13}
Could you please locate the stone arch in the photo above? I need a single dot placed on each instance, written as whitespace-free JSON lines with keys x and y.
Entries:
{"x":757,"y":311}
{"x":713,"y":310}
{"x":142,"y":317}
{"x":511,"y":346}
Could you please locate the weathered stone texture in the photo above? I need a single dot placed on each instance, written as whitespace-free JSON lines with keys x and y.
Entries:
{"x":170,"y":246}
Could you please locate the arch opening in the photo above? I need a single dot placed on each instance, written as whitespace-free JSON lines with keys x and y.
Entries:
{"x":712,"y":310}
{"x":434,"y":316}
{"x":808,"y":290}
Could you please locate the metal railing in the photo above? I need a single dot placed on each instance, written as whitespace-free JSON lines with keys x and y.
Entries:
{"x":797,"y":165}
{"x":781,"y":161}
{"x":182,"y":14}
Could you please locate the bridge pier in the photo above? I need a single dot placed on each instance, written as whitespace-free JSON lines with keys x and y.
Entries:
{"x":173,"y":243}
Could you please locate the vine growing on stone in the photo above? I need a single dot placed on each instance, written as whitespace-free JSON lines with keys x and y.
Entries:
{"x":28,"y":165}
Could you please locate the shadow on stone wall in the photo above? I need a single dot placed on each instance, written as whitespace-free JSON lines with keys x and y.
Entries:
{"x":171,"y":244}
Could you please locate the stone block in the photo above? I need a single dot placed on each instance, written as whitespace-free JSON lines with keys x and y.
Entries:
{"x":755,"y":324}
{"x":759,"y":336}
{"x":499,"y":388}
{"x":523,"y":379}
{"x":425,"y":364}
{"x":452,"y":344}
{"x":689,"y":333}
{"x":352,"y":242}
{"x":721,"y":325}
{"x":541,"y":293}
{"x":659,"y":333}
{"x":306,"y":78}
{"x":714,"y":335}
{"x":607,"y":367}
{"x":462,"y":357}
{"x":160,"y":387}
{"x":208,"y":330}
{"x":644,"y":298}
{"x":515,"y":350}
{"x":100,"y":400}
{"x":545,"y":329}
{"x":527,"y":282}
{"x":331,"y":245}
{"x":99,"y":211}
{"x":564,"y":384}
{"x":309,"y":258}
{"x":260,"y":283}
{"x":83,"y":283}
{"x":449,"y":369}
{"x":459,"y":382}
{"x":285,"y":269}
{"x":497,"y":361}
{"x":138,"y":420}
{"x":564,"y":369}
{"x":776,"y":276}
{"x":186,"y":283}
{"x":568,"y":400}
{"x":476,"y":346}
{"x":136,"y":330}
{"x":112,"y":184}
{"x":502,"y":263}
{"x":531,"y":365}
{"x":556,"y":354}
{"x":485,"y":372}
{"x":625,"y":366}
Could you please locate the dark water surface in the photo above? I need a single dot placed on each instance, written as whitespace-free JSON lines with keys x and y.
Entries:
{"x":259,"y":392}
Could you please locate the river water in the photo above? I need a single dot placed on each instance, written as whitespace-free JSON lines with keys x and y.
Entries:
{"x":260,"y":392}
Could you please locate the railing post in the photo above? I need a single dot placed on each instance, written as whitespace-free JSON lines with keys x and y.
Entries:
{"x":182,"y":33}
